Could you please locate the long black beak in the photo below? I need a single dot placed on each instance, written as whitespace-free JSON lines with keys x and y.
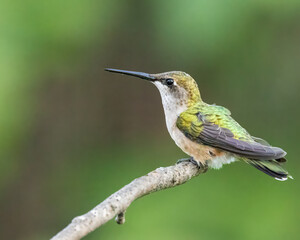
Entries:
{"x":142,"y":75}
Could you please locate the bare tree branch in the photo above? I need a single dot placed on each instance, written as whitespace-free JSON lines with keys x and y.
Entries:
{"x":117,"y":203}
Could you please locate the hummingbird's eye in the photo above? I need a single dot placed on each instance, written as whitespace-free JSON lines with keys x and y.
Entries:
{"x":169,"y":81}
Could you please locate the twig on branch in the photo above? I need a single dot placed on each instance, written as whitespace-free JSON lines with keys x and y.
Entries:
{"x":117,"y":203}
{"x":120,"y":218}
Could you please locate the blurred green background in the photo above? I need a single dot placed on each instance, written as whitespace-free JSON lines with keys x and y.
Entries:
{"x":72,"y":134}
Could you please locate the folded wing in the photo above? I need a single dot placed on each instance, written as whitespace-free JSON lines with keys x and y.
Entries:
{"x":223,"y":138}
{"x":221,"y":131}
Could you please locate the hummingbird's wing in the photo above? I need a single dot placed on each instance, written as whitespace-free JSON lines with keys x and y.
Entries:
{"x":212,"y":125}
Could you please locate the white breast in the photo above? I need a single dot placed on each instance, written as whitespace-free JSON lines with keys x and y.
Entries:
{"x":173,"y":107}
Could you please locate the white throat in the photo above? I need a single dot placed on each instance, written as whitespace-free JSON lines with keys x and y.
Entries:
{"x":173,"y":103}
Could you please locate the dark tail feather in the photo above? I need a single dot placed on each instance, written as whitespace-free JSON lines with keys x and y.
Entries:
{"x":273,"y":168}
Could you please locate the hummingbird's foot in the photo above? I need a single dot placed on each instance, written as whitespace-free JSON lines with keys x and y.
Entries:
{"x":183,"y":160}
{"x":192,"y":160}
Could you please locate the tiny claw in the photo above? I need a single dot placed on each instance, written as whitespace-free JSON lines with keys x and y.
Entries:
{"x":198,"y":164}
{"x":192,"y":160}
{"x":183,"y":160}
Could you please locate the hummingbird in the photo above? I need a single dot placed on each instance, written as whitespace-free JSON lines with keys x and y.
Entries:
{"x":207,"y":132}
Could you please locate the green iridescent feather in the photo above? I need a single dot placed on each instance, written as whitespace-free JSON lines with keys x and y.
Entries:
{"x":189,"y":121}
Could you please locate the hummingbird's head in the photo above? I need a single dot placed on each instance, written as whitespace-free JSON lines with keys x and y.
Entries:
{"x":177,"y":87}
{"x":178,"y":90}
